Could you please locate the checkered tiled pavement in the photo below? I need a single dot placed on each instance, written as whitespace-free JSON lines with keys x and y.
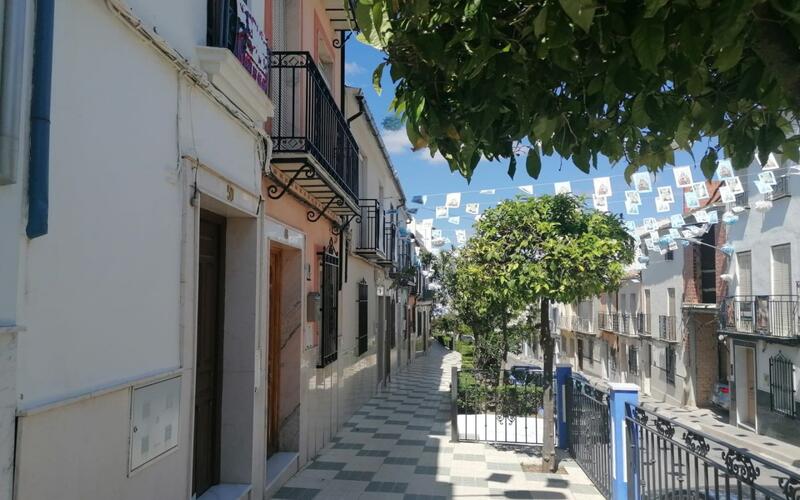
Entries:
{"x":397,"y":446}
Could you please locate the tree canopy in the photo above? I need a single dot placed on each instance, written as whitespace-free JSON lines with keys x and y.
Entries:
{"x":631,"y":80}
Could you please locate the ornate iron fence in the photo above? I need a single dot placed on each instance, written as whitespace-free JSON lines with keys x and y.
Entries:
{"x":507,"y":413}
{"x":329,"y":334}
{"x":370,"y":229}
{"x":781,"y":386}
{"x":590,"y":433}
{"x":642,"y":321}
{"x":667,"y":460}
{"x":667,"y":329}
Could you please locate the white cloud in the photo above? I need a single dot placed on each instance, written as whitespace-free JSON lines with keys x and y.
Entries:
{"x":437,"y":159}
{"x":396,"y":141}
{"x":352,"y":68}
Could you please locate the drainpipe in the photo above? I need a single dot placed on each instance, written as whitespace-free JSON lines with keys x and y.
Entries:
{"x":39,"y":167}
{"x":360,"y":100}
{"x":11,"y":88}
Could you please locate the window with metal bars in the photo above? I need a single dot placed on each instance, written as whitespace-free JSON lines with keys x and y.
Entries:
{"x":329,"y":329}
{"x":781,"y":386}
{"x":633,"y":360}
{"x":363,"y":316}
{"x":391,"y":329}
{"x":670,"y":364}
{"x":221,"y":23}
{"x":590,"y":353}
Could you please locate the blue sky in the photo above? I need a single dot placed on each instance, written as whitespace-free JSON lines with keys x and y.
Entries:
{"x":420,"y":174}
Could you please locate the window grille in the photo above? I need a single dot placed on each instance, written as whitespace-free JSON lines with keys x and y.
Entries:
{"x":780,"y":189}
{"x":670,"y":362}
{"x":781,"y":386}
{"x":221,"y":23}
{"x":329,"y":330}
{"x":670,"y":255}
{"x":590,"y":354}
{"x":613,"y":360}
{"x":391,"y":329}
{"x":363,"y":316}
{"x":633,"y":360}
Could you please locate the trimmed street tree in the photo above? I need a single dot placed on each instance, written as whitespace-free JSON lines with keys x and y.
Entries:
{"x":625,"y":79}
{"x":551,"y":249}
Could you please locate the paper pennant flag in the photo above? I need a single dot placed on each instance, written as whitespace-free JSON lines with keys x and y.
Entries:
{"x":436,"y":233}
{"x":701,"y":216}
{"x":713,"y":217}
{"x":633,"y":196}
{"x":563,"y":187}
{"x":772,"y":163}
{"x":767,"y":178}
{"x":600,"y":203}
{"x":763,"y":187}
{"x":478,"y":217}
{"x":631,"y":208}
{"x":683,"y":176}
{"x":724,"y":170}
{"x":641,"y":182}
{"x":650,"y":223}
{"x":654,"y":235}
{"x":487,"y":191}
{"x":453,"y":200}
{"x":630,"y":226}
{"x":420,"y":199}
{"x":442,"y":212}
{"x":602,"y":186}
{"x":674,"y":233}
{"x":526,"y":189}
{"x":461,"y":236}
{"x":661,"y":205}
{"x":686,"y":233}
{"x":700,"y":190}
{"x":726,"y":195}
{"x":677,"y":221}
{"x":735,"y":184}
{"x":472,"y":208}
{"x":454,"y":220}
{"x":665,"y":194}
{"x":427,"y":222}
{"x":673,"y":245}
{"x":691,"y":199}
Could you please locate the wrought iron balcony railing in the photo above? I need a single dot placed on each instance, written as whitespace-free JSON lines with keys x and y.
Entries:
{"x":642,"y":324}
{"x":371,"y":240}
{"x":390,"y":239}
{"x":582,"y":325}
{"x":666,"y":328}
{"x":308,"y":121}
{"x":625,"y":321}
{"x":609,"y":321}
{"x":773,"y":315}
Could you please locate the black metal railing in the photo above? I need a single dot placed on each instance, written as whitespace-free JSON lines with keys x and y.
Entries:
{"x":363,"y":317}
{"x":370,"y":230}
{"x":581,"y":325}
{"x":669,"y":460}
{"x":390,"y":238}
{"x":666,"y":328}
{"x":772,"y":315}
{"x":308,"y":121}
{"x":642,"y":324}
{"x":590,"y":433}
{"x":625,"y":323}
{"x":507,"y":413}
{"x":781,"y":386}
{"x":780,"y":189}
{"x":329,"y":329}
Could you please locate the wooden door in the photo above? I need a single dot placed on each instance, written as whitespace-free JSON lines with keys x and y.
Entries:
{"x":208,"y":372}
{"x":274,"y":354}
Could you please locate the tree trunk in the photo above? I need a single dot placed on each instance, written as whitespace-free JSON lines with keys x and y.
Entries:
{"x":549,"y":461}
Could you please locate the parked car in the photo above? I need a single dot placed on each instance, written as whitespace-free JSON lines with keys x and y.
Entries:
{"x":721,"y":396}
{"x":467,"y":339}
{"x":524,"y":374}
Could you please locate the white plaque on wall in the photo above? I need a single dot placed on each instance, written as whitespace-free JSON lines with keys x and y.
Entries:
{"x":155,"y":413}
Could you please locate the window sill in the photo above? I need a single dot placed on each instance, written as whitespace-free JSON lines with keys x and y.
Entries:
{"x":226,"y":73}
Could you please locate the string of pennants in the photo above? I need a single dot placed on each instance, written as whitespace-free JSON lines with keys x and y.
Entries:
{"x":641,"y":183}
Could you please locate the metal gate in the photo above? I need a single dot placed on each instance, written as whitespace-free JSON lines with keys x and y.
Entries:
{"x":511,"y":412}
{"x":590,"y":433}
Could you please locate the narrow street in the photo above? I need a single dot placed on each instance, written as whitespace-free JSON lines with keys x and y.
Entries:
{"x":397,"y":446}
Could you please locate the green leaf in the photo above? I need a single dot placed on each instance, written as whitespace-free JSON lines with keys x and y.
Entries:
{"x":729,"y":56}
{"x":376,"y":78}
{"x":638,"y":111}
{"x":540,"y":23}
{"x":580,"y":11}
{"x":651,"y":7}
{"x":648,"y":44}
{"x":512,"y":166}
{"x":709,"y":163}
{"x":533,"y":164}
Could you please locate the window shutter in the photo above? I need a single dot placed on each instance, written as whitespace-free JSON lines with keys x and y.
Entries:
{"x":744,"y":260}
{"x":781,"y":270}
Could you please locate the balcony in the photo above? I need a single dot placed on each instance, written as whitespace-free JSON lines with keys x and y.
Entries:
{"x":642,"y":324}
{"x":312,"y":144}
{"x":625,"y":323}
{"x":371,"y":240}
{"x":390,"y":238}
{"x":667,"y":328}
{"x":582,"y":325}
{"x":768,"y":315}
{"x":608,"y":321}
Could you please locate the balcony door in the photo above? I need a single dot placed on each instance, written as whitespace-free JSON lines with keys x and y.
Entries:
{"x":744,"y":316}
{"x":782,"y":307}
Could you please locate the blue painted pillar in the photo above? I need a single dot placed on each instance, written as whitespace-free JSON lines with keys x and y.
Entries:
{"x":618,"y":395}
{"x":563,"y":377}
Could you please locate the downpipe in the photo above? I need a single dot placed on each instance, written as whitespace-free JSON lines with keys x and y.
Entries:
{"x":39,"y":166}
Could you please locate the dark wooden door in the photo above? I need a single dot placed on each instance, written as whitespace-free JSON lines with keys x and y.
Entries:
{"x":274,"y":355}
{"x":208,"y":376}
